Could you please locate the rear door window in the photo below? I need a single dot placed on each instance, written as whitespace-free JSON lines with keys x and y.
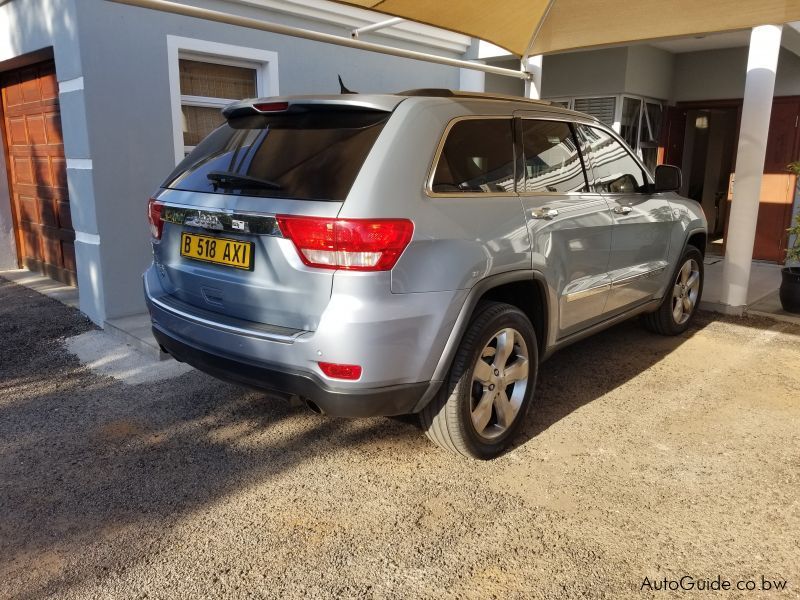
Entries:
{"x":552,"y":161}
{"x":478,"y":156}
{"x":306,"y":156}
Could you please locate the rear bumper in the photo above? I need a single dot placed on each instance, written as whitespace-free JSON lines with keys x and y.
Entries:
{"x":368,"y":402}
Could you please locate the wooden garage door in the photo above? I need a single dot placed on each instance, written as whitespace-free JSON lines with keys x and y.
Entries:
{"x":37,"y":171}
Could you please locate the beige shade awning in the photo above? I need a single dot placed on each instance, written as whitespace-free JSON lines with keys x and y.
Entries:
{"x":530,"y":27}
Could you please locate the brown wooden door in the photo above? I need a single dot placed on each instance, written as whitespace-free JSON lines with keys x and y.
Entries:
{"x":670,"y":151}
{"x":777,"y":187}
{"x":37,"y":170}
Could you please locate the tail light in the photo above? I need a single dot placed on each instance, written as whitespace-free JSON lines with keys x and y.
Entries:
{"x":349,"y":244}
{"x":337,"y":371}
{"x":154,"y":209}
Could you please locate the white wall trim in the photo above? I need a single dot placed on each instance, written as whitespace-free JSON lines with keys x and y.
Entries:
{"x":351,"y":17}
{"x":87,"y":238}
{"x":79,"y":163}
{"x":264,"y":61}
{"x":70,"y":85}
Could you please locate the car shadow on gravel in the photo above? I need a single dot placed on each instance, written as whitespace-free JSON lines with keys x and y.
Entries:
{"x":89,"y":466}
{"x":585,"y":371}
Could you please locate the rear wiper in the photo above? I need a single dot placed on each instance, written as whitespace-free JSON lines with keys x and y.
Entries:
{"x":237,"y":181}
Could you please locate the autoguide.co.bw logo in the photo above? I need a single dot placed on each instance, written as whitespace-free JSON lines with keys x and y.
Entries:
{"x":718,"y":584}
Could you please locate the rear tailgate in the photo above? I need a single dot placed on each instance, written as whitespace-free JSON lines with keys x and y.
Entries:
{"x":221,"y":249}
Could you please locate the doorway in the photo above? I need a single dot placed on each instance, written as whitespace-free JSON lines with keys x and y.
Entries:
{"x":708,"y":160}
{"x":30,"y":124}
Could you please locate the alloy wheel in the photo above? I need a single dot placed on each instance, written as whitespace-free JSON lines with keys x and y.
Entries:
{"x":686,"y":291}
{"x":499,"y":381}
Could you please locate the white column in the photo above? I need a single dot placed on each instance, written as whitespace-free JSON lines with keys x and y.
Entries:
{"x":533,"y":86}
{"x":470,"y":80}
{"x":762,"y":63}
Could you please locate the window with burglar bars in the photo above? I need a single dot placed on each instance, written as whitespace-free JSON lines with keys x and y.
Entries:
{"x":207,"y":87}
{"x":602,"y":109}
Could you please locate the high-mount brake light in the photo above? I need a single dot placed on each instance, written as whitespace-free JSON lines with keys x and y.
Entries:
{"x":348,"y":244}
{"x":154,"y":210}
{"x":271,"y":106}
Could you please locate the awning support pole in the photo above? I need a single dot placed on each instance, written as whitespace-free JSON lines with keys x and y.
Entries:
{"x":221,"y":17}
{"x":533,"y":86}
{"x":762,"y":64}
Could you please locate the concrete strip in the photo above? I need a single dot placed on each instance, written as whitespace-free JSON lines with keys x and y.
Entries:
{"x":56,"y":290}
{"x":106,"y":355}
{"x":136,"y":331}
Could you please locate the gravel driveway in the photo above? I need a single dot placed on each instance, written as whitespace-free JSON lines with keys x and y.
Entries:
{"x":643,"y":457}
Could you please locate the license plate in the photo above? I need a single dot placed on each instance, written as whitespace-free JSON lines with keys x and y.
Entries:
{"x":220,"y":251}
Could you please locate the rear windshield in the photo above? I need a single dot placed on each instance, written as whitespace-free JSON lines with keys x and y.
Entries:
{"x":304,"y":156}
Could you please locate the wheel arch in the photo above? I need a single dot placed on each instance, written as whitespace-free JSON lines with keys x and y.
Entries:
{"x":504,"y":287}
{"x":697,"y":238}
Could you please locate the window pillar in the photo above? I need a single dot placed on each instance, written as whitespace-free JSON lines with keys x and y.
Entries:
{"x":762,"y":63}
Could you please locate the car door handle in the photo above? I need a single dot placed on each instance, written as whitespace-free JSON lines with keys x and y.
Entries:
{"x":622,"y":210}
{"x":544,"y":213}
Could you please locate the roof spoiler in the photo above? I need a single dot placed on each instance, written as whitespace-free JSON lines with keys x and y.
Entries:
{"x":276,"y":106}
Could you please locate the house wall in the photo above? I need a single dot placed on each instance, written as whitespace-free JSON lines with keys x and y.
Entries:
{"x":720,"y":75}
{"x":641,"y":70}
{"x":649,"y":72}
{"x":591,"y":73}
{"x":499,"y":84}
{"x":125,"y":148}
{"x":31,"y":31}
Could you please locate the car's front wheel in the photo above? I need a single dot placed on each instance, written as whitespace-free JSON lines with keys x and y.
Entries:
{"x":490,"y":385}
{"x":682,"y":298}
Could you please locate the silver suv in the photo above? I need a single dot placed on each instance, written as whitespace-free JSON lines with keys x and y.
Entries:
{"x":421,"y":252}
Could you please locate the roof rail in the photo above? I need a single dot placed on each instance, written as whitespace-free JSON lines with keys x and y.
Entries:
{"x":446,"y":93}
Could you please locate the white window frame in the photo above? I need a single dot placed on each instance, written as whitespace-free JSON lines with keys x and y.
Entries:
{"x":615,"y":124}
{"x":644,"y":118}
{"x":265,"y":63}
{"x":619,"y":100}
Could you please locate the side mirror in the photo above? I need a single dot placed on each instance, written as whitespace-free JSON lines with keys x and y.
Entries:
{"x":668,"y":178}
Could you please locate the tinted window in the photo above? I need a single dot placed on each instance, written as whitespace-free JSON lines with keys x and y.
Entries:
{"x":613,"y":170}
{"x":552,"y":161}
{"x":478,"y":156}
{"x":313,"y":155}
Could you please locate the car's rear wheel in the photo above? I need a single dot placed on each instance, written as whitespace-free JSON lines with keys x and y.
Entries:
{"x":682,"y":297}
{"x":490,"y":385}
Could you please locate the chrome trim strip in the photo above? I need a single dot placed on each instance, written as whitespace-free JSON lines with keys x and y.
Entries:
{"x":581,"y":294}
{"x":628,"y":279}
{"x":272,"y":337}
{"x":220,"y":219}
{"x":432,"y":169}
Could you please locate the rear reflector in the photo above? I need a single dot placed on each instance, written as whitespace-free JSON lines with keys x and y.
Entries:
{"x":271,"y":106}
{"x":349,"y":244}
{"x":154,"y":210}
{"x":335,"y":371}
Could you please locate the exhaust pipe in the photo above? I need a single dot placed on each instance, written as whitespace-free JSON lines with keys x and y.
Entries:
{"x":312,"y":406}
{"x":295,"y":400}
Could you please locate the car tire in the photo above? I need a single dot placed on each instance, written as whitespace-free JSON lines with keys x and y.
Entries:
{"x":682,"y":297}
{"x":481,"y":407}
